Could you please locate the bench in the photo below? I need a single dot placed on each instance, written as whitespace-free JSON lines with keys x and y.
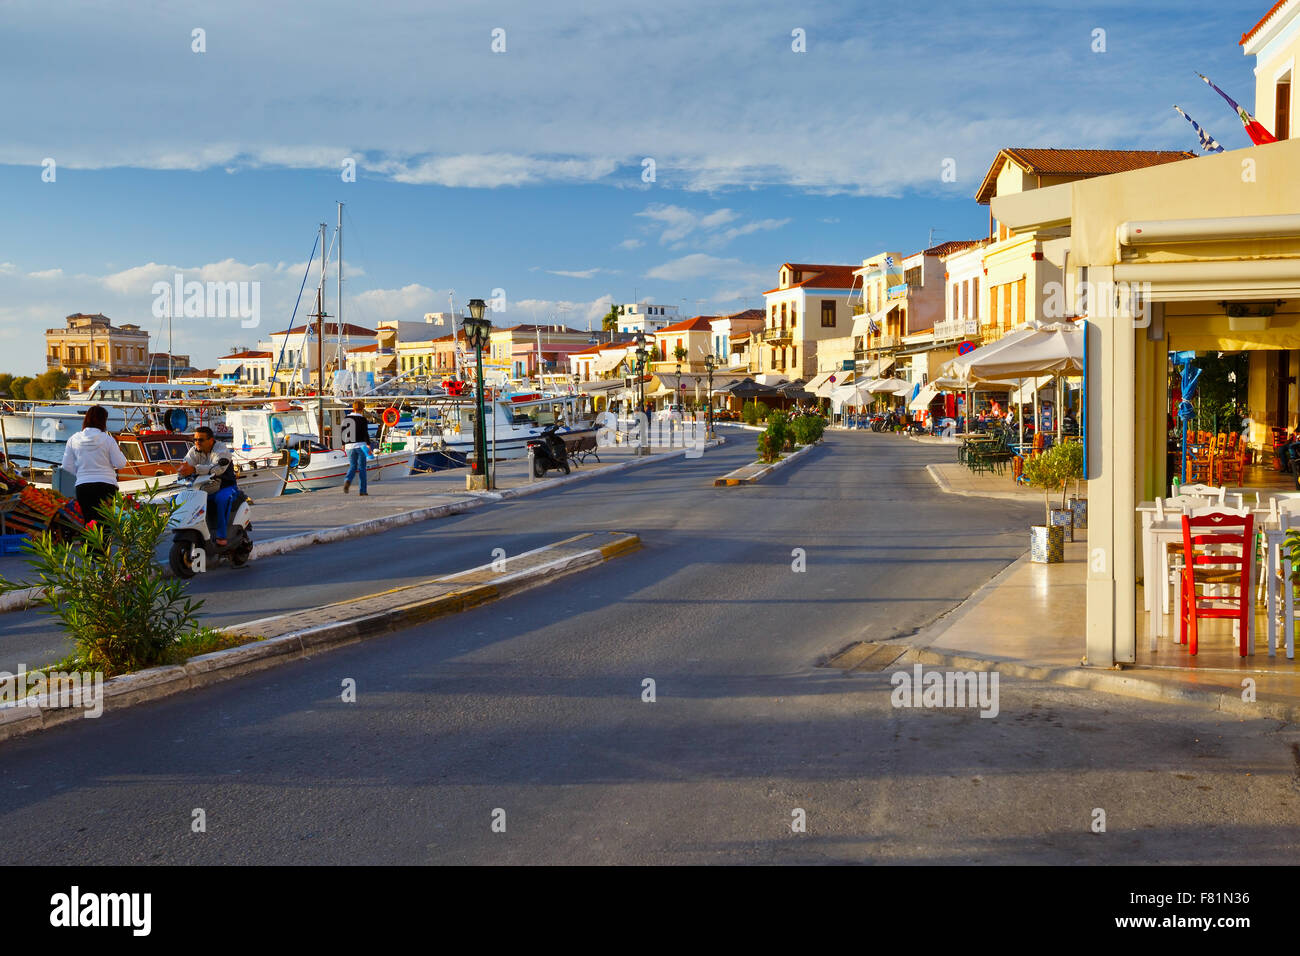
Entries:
{"x":580,"y":448}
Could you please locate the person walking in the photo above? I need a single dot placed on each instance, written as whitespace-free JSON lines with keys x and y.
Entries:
{"x":93,"y":458}
{"x":356,"y":437}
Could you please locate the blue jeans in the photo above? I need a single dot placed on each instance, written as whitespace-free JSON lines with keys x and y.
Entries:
{"x":220,"y":501}
{"x":357,"y":463}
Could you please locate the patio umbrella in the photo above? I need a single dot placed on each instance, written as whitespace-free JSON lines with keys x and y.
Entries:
{"x":894,"y":386}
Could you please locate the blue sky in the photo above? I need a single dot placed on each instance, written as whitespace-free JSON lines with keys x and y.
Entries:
{"x":522,"y":169}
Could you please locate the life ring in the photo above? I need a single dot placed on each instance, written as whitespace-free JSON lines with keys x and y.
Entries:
{"x":390,"y":416}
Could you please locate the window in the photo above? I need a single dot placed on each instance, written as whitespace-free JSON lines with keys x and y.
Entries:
{"x":913,"y":277}
{"x":117,"y":352}
{"x":794,"y":315}
{"x":828,"y":313}
{"x":993,"y":307}
{"x":954,"y":316}
{"x":1006,"y":306}
{"x":1020,"y":302}
{"x":774,"y":315}
{"x":965,"y":300}
{"x":782,"y":315}
{"x":798,"y":276}
{"x":794,"y":355}
{"x":131,"y":450}
{"x":975,"y":298}
{"x":1282,"y":108}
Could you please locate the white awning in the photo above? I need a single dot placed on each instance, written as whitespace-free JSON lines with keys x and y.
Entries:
{"x":607,"y":361}
{"x":878,"y":368}
{"x":822,"y":386}
{"x":862,"y":323}
{"x":922,"y":401}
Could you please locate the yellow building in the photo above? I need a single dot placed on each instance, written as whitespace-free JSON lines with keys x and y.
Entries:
{"x":1275,"y":43}
{"x":91,"y":348}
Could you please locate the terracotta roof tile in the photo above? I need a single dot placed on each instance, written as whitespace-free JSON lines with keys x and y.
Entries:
{"x":331,"y":328}
{"x":1080,"y":163}
{"x":828,"y":277}
{"x":247,"y":355}
{"x":698,"y":324}
{"x":1245,"y":37}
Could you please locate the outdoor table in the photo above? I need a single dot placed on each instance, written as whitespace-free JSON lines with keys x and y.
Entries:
{"x":1155,"y":557}
{"x":1274,"y":538}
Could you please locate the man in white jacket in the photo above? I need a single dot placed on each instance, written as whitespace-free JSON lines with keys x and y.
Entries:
{"x":92,"y":455}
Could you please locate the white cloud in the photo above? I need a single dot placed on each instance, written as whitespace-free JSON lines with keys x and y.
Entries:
{"x":577,"y":273}
{"x":576,"y":314}
{"x":631,"y":244}
{"x":410,"y":303}
{"x":680,"y":223}
{"x":491,"y":171}
{"x":697,"y":265}
{"x":46,"y":274}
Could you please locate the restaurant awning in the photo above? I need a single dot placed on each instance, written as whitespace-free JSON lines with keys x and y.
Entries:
{"x":607,"y":361}
{"x":822,"y":385}
{"x":923,"y":399}
{"x":877,"y":368}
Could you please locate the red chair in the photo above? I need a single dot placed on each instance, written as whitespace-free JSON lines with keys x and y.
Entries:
{"x":1219,"y":568}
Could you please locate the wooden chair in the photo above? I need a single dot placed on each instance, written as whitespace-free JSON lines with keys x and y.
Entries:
{"x":1200,"y":464}
{"x":1209,"y":562}
{"x":1231,"y":461}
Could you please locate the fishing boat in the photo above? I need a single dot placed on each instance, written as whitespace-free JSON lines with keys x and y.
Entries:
{"x":514,"y":418}
{"x":128,"y":403}
{"x":288,"y":432}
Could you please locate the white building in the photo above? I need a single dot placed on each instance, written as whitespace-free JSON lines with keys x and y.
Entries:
{"x":643,"y":317}
{"x":297,"y":349}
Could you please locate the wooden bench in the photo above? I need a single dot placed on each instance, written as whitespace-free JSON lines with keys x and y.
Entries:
{"x":580,"y":448}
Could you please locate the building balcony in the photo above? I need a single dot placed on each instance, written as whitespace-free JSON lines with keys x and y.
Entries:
{"x":778,"y":335}
{"x":956,"y":329}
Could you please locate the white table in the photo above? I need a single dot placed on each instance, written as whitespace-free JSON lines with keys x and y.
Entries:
{"x":1155,"y":557}
{"x":1274,"y":538}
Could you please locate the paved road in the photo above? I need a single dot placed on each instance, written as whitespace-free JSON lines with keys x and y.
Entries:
{"x":533,"y":705}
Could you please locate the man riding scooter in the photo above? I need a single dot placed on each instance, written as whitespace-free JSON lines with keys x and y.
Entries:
{"x":212,"y":458}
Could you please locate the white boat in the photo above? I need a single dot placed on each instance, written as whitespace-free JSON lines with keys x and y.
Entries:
{"x":128,"y":404}
{"x":258,"y":480}
{"x":289,"y":432}
{"x":513,"y":420}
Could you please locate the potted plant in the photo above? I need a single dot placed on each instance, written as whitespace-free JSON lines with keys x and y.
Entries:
{"x":1047,"y":541}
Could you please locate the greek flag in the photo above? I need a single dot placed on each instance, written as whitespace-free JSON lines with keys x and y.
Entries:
{"x":889,"y":261}
{"x":872,"y":327}
{"x":1208,"y":143}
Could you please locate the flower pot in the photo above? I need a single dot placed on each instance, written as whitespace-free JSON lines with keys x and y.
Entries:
{"x":1064,"y":518}
{"x":1047,"y":544}
{"x":1080,"y":508}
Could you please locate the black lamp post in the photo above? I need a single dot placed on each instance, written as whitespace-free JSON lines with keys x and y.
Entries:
{"x":477,"y":331}
{"x":710,"y":363}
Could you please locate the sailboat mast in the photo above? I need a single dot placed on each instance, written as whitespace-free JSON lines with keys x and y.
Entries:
{"x":320,"y":343}
{"x":338,"y":318}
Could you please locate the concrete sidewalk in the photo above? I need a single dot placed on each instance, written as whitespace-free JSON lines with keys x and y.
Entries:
{"x":1030,"y":621}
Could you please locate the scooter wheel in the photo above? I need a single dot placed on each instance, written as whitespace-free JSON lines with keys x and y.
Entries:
{"x":539,"y":468}
{"x":564,"y":467}
{"x":180,"y":560}
{"x":239,"y":557}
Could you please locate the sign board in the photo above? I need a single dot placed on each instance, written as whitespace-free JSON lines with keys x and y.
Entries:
{"x":965,"y":347}
{"x":847,"y":365}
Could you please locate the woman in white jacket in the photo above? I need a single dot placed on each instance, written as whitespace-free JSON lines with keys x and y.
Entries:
{"x":93,"y":456}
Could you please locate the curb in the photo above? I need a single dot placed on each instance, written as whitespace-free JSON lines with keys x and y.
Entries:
{"x":25,"y":598}
{"x":948,"y":489}
{"x":727,"y":481}
{"x":155,"y":683}
{"x":1122,"y":683}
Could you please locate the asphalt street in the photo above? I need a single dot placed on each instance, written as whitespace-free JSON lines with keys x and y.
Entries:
{"x":532,"y":712}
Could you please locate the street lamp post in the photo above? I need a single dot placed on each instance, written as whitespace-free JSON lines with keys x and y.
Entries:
{"x":710,"y":363}
{"x":477,"y":331}
{"x":641,"y":356}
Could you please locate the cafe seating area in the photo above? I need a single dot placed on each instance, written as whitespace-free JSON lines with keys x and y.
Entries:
{"x":1217,"y":574}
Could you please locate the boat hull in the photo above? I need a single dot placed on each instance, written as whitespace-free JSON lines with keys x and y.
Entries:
{"x":330,"y":470}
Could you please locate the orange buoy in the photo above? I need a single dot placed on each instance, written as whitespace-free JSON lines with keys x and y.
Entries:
{"x":390,"y":416}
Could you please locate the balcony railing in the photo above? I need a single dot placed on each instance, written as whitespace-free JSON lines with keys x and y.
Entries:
{"x":956,"y":329}
{"x":778,"y":334}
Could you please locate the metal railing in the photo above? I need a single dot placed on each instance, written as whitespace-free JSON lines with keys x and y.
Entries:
{"x":778,"y":334}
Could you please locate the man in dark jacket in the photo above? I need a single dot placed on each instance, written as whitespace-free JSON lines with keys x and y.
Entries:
{"x":356,"y":442}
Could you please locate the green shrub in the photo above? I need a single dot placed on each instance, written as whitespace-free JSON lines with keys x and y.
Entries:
{"x":808,"y":429}
{"x":116,"y":603}
{"x":749,"y":413}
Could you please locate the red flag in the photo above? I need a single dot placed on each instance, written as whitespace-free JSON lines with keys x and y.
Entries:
{"x":1254,"y":128}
